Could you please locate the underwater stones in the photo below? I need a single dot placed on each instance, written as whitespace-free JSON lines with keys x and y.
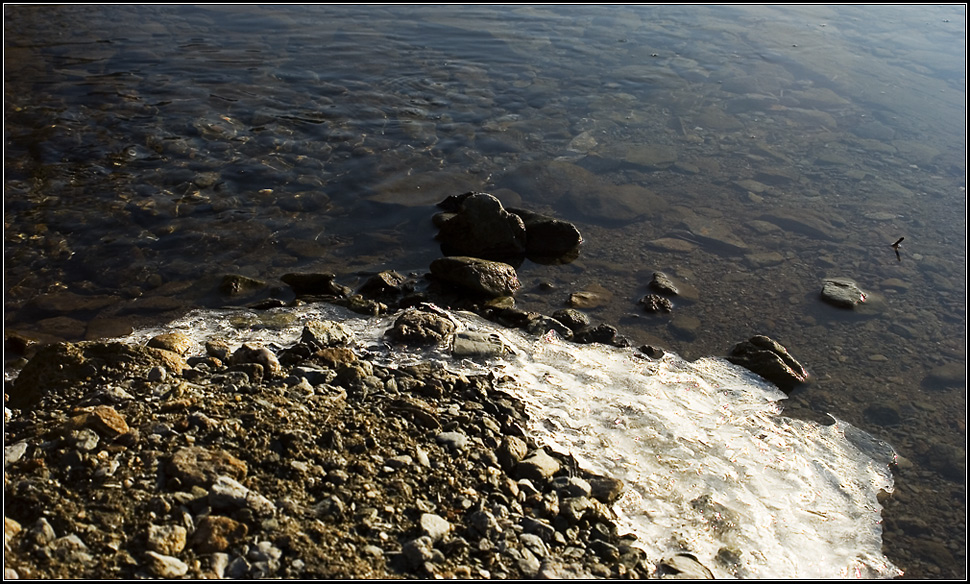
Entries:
{"x":484,"y":277}
{"x":617,"y":204}
{"x":842,"y":292}
{"x":769,"y":359}
{"x":315,"y":284}
{"x":234,"y":285}
{"x":950,"y":375}
{"x":803,"y":221}
{"x":481,"y":227}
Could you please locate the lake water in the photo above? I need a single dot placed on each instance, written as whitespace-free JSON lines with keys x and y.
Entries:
{"x":747,"y":152}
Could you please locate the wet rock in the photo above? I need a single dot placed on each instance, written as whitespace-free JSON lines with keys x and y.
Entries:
{"x":473,"y":344}
{"x":663,"y":284}
{"x":604,"y":334}
{"x":656,"y":303}
{"x":195,"y":465}
{"x":63,"y":365}
{"x":235,"y":285}
{"x":483,"y":228}
{"x":511,"y":451}
{"x":315,"y":284}
{"x":842,"y":292}
{"x":326,"y":333}
{"x":174,"y":342}
{"x":881,"y":414}
{"x":419,"y":327}
{"x":605,"y":489}
{"x":215,"y":533}
{"x":487,"y":278}
{"x":574,"y":319}
{"x":253,"y":353}
{"x":683,"y":567}
{"x":771,"y":360}
{"x":538,"y":467}
{"x":543,"y":324}
{"x":383,"y":286}
{"x":547,"y":237}
{"x":713,"y":233}
{"x":572,"y":487}
{"x":946,"y":459}
{"x":165,"y":566}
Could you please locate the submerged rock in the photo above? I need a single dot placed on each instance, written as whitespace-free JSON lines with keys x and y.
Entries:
{"x":234,"y":285}
{"x":314,"y":284}
{"x":476,"y":275}
{"x":771,"y":360}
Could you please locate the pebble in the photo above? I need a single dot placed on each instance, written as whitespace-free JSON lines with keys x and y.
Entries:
{"x":229,"y":493}
{"x":165,"y":566}
{"x":538,"y":467}
{"x":216,"y":533}
{"x":166,"y":539}
{"x":434,"y":526}
{"x":14,"y":452}
{"x":455,"y":440}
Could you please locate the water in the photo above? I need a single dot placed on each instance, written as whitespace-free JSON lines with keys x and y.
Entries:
{"x":749,"y":152}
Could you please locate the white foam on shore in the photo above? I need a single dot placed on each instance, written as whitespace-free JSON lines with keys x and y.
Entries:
{"x":710,"y":465}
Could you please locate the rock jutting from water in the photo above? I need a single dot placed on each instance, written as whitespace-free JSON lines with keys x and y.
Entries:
{"x":476,"y":275}
{"x":481,"y":227}
{"x":476,"y":224}
{"x":842,"y":292}
{"x":769,"y":359}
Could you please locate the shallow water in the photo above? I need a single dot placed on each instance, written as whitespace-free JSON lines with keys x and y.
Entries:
{"x":748,"y":152}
